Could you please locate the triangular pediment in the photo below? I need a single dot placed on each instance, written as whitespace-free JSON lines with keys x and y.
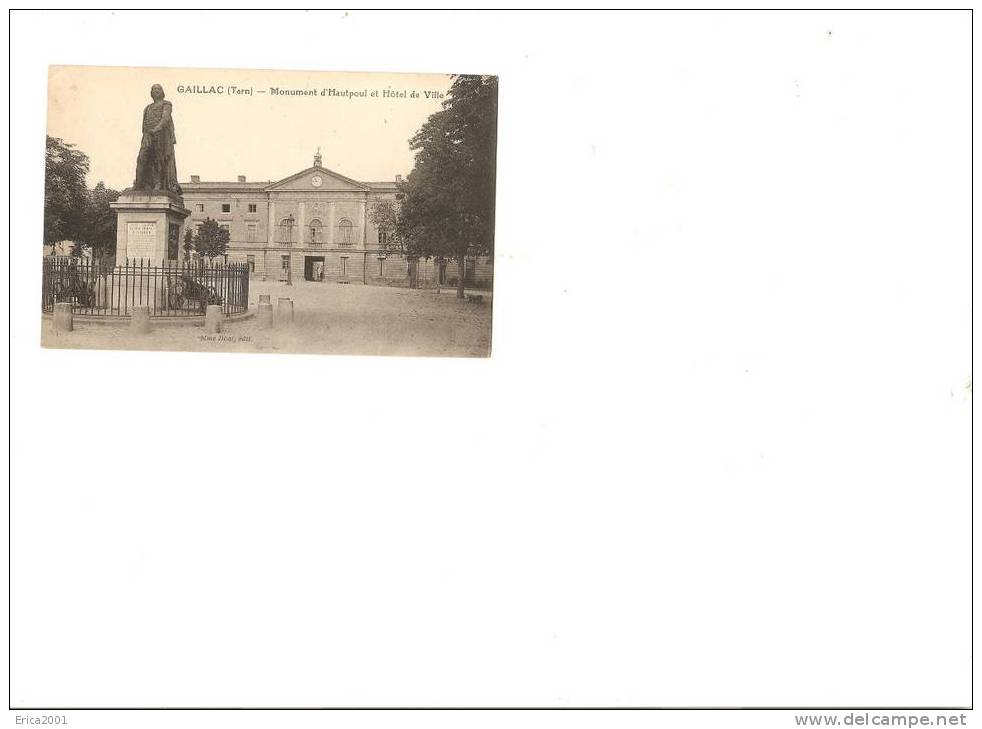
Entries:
{"x":308,"y":179}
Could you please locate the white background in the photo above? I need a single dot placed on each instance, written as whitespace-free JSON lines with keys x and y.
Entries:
{"x":720,"y":455}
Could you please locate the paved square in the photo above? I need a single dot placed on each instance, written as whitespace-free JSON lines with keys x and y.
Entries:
{"x":329,"y":319}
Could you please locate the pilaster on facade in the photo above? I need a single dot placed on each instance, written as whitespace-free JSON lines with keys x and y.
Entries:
{"x":331,"y":213}
{"x":315,"y":194}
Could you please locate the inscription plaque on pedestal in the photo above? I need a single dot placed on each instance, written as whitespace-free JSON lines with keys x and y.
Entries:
{"x":141,"y":240}
{"x":148,"y":226}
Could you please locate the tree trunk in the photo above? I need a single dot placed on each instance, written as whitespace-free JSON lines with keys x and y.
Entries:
{"x":461,"y":272}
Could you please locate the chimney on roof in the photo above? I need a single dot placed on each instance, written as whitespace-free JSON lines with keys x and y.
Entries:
{"x":195,"y":178}
{"x":398,"y":179}
{"x":241,"y":178}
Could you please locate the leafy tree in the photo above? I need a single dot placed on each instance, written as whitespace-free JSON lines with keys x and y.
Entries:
{"x":448,"y":207}
{"x":211,"y":239}
{"x":71,"y":211}
{"x":99,"y":224}
{"x":385,"y":217}
{"x":66,"y":197}
{"x":188,"y":241}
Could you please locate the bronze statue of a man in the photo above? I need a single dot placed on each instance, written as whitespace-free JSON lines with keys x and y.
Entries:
{"x":155,"y":165}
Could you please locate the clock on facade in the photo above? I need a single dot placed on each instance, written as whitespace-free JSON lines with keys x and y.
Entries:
{"x":316,"y":180}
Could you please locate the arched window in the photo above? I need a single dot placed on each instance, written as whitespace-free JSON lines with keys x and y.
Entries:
{"x":344,"y":232}
{"x":285,"y":230}
{"x":315,"y":232}
{"x":382,"y":238}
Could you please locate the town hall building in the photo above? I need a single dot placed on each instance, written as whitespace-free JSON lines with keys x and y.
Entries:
{"x":316,"y":225}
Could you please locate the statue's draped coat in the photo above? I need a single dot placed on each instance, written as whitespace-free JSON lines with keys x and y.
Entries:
{"x":156,"y":168}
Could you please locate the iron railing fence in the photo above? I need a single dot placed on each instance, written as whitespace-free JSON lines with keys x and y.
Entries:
{"x":97,"y":287}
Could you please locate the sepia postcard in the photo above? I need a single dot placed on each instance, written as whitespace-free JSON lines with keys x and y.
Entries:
{"x":269,"y":211}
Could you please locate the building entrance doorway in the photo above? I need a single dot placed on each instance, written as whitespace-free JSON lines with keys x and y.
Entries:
{"x":313,"y":268}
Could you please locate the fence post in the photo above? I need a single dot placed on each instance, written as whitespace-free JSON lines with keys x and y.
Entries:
{"x":265,"y":315}
{"x":140,"y":320}
{"x":284,"y":311}
{"x":245,"y":288}
{"x":63,"y":317}
{"x":213,"y":319}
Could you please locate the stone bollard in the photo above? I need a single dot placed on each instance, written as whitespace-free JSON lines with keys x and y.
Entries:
{"x":140,"y":320}
{"x":284,"y":311}
{"x":264,"y":298}
{"x":213,"y":319}
{"x":265,"y":315}
{"x":63,"y":317}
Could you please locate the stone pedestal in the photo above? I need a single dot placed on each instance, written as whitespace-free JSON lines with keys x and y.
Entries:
{"x":149,"y":226}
